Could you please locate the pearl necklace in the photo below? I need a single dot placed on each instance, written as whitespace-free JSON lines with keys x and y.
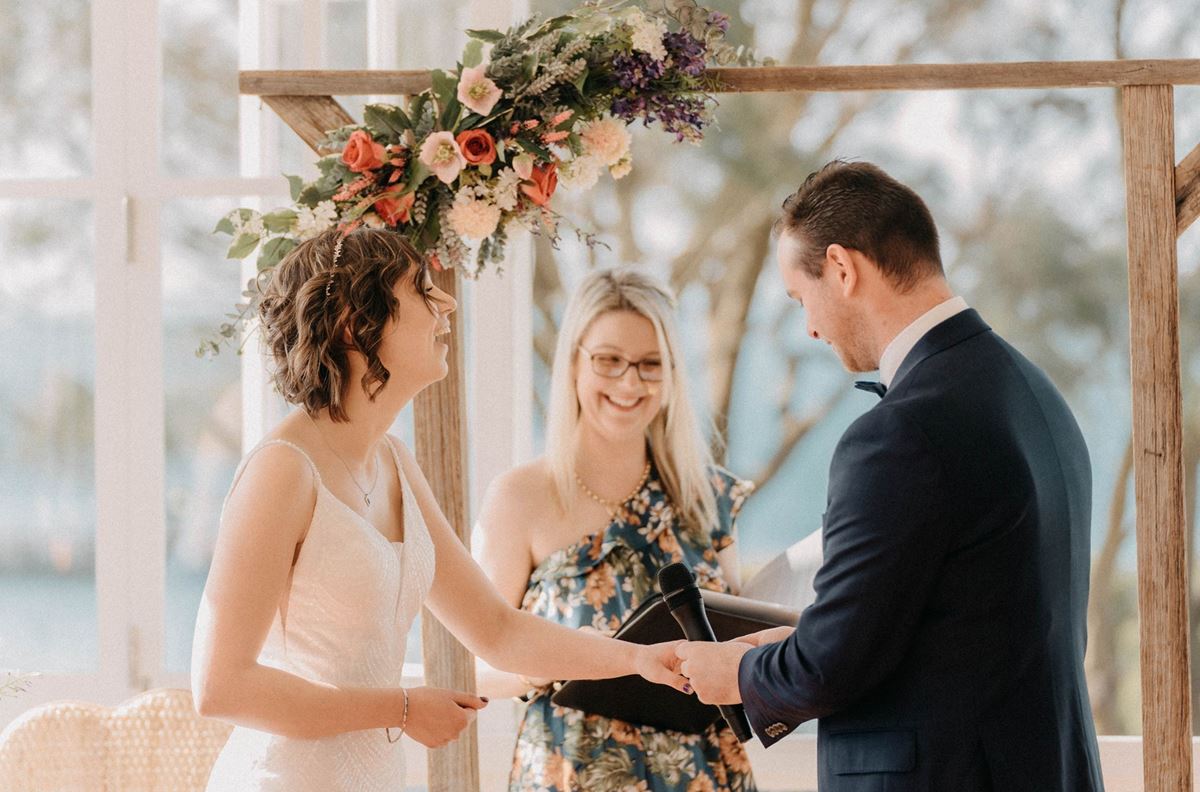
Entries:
{"x":611,"y":507}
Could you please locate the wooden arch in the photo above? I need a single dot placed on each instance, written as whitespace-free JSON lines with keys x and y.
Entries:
{"x":1162,"y":200}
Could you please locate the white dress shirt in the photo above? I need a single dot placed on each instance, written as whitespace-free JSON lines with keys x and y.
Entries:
{"x":895,"y":352}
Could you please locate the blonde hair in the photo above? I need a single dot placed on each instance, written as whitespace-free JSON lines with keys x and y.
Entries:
{"x":677,"y":445}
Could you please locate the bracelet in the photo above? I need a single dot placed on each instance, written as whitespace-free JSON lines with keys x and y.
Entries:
{"x":403,"y":720}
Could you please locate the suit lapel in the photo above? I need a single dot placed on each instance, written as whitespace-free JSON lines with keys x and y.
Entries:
{"x":958,"y":328}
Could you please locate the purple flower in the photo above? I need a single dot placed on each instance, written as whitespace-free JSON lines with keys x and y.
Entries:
{"x":686,"y":51}
{"x":636,"y":70}
{"x":719,"y":21}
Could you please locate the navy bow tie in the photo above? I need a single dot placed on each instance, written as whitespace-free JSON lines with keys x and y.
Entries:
{"x":878,"y":388}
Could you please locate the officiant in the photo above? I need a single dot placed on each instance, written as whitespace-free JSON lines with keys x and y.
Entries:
{"x":627,"y":486}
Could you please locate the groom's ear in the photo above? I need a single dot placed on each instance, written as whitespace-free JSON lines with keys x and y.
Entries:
{"x":843,"y":266}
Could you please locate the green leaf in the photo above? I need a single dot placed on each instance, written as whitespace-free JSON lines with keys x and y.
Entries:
{"x":450,"y":114}
{"x":297,"y":184}
{"x":280,"y":221}
{"x":534,"y":148}
{"x":580,"y":80}
{"x":273,"y":251}
{"x":529,"y":65}
{"x":473,"y":53}
{"x":418,"y":172}
{"x":490,"y":36}
{"x":485,"y":171}
{"x":224,"y":226}
{"x":444,"y":86}
{"x":312,"y":195}
{"x":242,"y":246}
{"x":386,"y":121}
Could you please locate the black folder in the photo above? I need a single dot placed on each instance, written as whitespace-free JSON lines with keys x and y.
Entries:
{"x":634,"y":700}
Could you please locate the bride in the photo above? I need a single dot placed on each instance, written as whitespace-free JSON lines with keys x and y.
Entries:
{"x":330,"y":542}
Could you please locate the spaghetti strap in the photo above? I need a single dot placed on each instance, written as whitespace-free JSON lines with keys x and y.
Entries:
{"x":245,"y":460}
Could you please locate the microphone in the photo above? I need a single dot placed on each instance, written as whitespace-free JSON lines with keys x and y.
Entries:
{"x":679,"y":590}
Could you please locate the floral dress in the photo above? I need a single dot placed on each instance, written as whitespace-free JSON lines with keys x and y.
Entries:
{"x":596,"y":583}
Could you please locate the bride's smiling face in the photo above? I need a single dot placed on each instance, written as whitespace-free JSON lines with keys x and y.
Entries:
{"x":619,"y":406}
{"x":415,"y":341}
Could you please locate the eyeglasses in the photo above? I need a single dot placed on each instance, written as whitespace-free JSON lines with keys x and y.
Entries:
{"x":606,"y":364}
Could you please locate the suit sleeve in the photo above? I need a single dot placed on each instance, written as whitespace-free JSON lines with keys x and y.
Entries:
{"x":884,"y":539}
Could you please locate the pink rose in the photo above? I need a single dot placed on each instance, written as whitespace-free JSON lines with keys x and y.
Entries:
{"x":477,"y":147}
{"x":395,"y":210}
{"x":545,"y":180}
{"x":362,"y":153}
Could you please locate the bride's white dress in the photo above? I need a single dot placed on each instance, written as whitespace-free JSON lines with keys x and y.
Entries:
{"x":353,"y":597}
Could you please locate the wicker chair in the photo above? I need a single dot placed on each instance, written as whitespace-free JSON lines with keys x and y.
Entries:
{"x":154,"y":742}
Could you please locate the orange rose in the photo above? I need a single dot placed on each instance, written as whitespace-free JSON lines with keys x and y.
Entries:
{"x":477,"y":146}
{"x":395,"y":210}
{"x":362,"y":153}
{"x":541,"y":184}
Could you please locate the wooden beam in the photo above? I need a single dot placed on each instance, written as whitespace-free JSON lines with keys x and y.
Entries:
{"x":310,"y":116}
{"x":1148,"y":119}
{"x":903,"y":77}
{"x":440,"y":420}
{"x":1187,"y":190}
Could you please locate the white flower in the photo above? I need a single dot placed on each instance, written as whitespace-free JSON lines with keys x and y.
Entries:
{"x":504,"y":191}
{"x":312,"y":221}
{"x":473,"y":218}
{"x":372,"y":220}
{"x":580,"y":173}
{"x":622,"y":168}
{"x":647,"y":34}
{"x":607,"y":140}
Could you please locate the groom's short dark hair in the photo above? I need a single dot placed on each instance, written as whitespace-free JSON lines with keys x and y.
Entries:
{"x":858,"y":206}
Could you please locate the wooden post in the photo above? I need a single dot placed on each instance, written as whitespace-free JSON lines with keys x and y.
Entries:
{"x":440,"y":420}
{"x":1149,"y":124}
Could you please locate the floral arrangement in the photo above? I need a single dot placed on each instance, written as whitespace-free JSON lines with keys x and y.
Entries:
{"x":485,"y":148}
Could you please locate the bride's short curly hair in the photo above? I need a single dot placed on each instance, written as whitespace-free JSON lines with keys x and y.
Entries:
{"x":315,"y":310}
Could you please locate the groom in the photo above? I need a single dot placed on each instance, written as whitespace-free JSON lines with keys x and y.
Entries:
{"x":944,"y":651}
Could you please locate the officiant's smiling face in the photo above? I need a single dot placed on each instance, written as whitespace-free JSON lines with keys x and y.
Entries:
{"x":626,"y":404}
{"x":830,"y":312}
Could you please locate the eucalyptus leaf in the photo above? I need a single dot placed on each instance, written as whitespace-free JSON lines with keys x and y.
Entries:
{"x":280,"y":221}
{"x":472,"y":53}
{"x":273,"y":251}
{"x":490,"y":36}
{"x":297,"y":184}
{"x":386,"y":121}
{"x":243,"y":246}
{"x":444,"y":86}
{"x":224,"y":226}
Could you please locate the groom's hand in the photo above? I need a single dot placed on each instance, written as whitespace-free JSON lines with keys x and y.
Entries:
{"x":712,"y":669}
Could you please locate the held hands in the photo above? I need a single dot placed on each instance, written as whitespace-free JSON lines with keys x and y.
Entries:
{"x":712,"y":669}
{"x":437,"y":716}
{"x":658,"y":663}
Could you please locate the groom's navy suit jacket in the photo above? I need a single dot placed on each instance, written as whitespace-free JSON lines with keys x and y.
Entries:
{"x":944,"y":650}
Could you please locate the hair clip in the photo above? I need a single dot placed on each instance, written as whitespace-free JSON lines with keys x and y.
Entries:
{"x":337,"y":251}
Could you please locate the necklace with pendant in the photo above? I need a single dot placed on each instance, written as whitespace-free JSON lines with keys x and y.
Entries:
{"x":366,"y":493}
{"x":611,"y":507}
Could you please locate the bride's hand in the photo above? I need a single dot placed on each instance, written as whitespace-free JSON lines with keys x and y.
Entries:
{"x":437,"y":716}
{"x":658,"y":663}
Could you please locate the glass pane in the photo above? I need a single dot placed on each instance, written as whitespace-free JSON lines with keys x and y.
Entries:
{"x":203,"y":404}
{"x":45,"y":88}
{"x":47,"y":486}
{"x":199,"y":98}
